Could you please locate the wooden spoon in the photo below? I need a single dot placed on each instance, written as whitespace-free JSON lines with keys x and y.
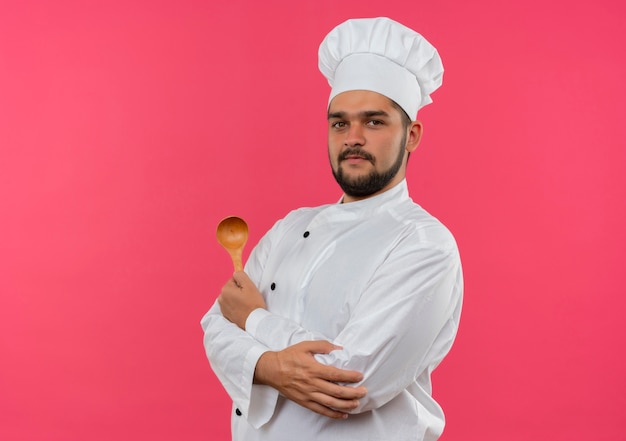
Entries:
{"x":232,"y":234}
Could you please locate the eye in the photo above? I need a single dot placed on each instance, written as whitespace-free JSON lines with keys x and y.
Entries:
{"x":338,"y":124}
{"x":375,"y":122}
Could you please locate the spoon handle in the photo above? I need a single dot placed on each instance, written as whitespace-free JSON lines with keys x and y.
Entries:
{"x":235,"y":255}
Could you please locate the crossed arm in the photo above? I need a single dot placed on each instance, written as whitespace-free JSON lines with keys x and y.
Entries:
{"x":417,"y":294}
{"x":294,"y":372}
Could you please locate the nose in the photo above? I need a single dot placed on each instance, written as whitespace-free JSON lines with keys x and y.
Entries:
{"x":354,"y":136}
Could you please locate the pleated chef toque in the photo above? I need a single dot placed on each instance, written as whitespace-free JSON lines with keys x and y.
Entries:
{"x":384,"y":56}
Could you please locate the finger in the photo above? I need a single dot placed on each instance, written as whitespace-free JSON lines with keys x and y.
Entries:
{"x":319,"y":346}
{"x":325,"y":411}
{"x":343,"y":392}
{"x":335,"y":403}
{"x":339,"y":391}
{"x":336,"y":375}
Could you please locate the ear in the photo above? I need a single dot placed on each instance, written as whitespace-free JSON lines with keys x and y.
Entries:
{"x":414,"y":135}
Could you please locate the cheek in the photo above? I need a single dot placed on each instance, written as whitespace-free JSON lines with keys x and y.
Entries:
{"x":389,"y":154}
{"x":333,"y":148}
{"x":332,"y":155}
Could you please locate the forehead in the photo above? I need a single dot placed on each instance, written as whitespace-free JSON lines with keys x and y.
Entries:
{"x":359,"y":101}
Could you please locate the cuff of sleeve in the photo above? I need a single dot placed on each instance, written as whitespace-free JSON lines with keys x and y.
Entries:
{"x":262,"y":398}
{"x":254,"y":320}
{"x":262,"y":404}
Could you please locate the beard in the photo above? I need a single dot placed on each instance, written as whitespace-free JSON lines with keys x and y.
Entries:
{"x":363,"y":186}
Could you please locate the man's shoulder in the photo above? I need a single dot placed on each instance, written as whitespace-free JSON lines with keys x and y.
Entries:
{"x":424,"y":226}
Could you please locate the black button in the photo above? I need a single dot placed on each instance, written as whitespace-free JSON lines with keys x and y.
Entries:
{"x":238,"y":412}
{"x":306,"y":234}
{"x":273,"y":286}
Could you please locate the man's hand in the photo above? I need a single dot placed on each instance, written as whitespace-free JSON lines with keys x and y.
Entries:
{"x":296,"y":374}
{"x":239,"y":297}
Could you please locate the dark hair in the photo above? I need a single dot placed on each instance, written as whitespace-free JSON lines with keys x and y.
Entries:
{"x":406,"y":119}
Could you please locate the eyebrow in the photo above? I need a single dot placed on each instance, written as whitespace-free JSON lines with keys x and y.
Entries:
{"x":364,"y":114}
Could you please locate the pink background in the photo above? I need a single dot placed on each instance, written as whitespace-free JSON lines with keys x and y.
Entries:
{"x":129,"y":128}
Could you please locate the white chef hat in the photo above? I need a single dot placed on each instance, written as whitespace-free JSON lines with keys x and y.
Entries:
{"x":381,"y":55}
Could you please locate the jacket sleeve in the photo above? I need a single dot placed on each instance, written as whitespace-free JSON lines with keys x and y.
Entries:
{"x":402,"y":326}
{"x":233,"y":353}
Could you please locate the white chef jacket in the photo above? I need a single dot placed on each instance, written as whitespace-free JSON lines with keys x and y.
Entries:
{"x":379,"y":277}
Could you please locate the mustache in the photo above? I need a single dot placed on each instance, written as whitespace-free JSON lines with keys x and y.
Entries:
{"x":356,"y":152}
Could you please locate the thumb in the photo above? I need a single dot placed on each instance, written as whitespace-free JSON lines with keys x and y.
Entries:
{"x":240,"y":278}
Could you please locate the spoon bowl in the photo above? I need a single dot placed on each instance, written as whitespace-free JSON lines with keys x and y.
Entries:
{"x":232,"y":234}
